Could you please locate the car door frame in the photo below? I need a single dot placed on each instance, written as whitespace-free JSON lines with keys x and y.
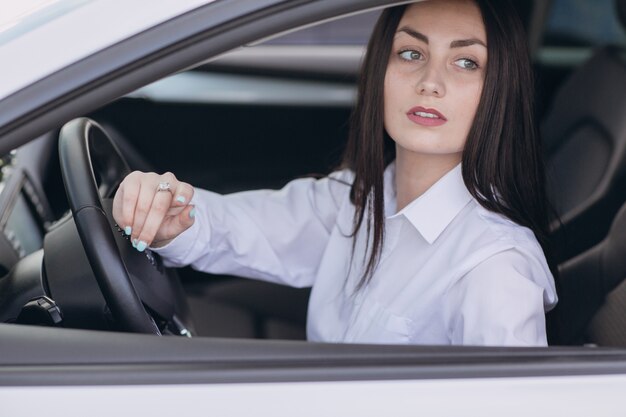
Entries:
{"x":35,"y":357}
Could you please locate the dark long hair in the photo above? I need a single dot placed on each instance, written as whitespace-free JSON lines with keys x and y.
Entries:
{"x":502,"y":161}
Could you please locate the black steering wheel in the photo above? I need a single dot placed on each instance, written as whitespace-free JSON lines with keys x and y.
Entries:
{"x":135,"y":286}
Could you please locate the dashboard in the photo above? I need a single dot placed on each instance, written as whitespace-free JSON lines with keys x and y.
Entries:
{"x":25,"y":211}
{"x":24,"y":226}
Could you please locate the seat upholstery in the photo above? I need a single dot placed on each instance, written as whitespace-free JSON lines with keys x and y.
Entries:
{"x":585,"y":137}
{"x":593,"y":291}
{"x":585,"y":140}
{"x":238,"y":307}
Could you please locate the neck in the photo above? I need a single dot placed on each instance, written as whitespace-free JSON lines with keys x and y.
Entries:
{"x":416,"y":173}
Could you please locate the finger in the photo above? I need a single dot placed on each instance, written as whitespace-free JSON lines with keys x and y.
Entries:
{"x":149,"y":215}
{"x":117,"y":207}
{"x":125,"y":200}
{"x":147,"y":190}
{"x":182,"y":192}
{"x":174,"y":225}
{"x":186,"y":219}
{"x":173,"y":184}
{"x":160,"y":206}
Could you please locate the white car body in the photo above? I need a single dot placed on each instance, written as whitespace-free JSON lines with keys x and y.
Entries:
{"x":515,"y":397}
{"x":58,"y":33}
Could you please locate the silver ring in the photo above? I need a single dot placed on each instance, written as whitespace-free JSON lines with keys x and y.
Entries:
{"x":164,"y":186}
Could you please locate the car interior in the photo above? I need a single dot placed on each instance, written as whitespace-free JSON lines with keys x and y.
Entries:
{"x":268,"y":112}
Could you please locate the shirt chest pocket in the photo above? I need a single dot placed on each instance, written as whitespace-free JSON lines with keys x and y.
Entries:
{"x":376,"y":324}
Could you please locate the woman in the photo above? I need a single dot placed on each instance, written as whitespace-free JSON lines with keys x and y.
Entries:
{"x":431,"y":232}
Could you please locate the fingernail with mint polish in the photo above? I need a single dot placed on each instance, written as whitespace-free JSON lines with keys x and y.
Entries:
{"x":181,"y":199}
{"x":141,"y":246}
{"x":134,"y":242}
{"x":192,"y":213}
{"x":128,"y":230}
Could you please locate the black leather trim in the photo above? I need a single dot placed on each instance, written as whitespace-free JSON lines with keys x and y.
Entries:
{"x":45,"y":356}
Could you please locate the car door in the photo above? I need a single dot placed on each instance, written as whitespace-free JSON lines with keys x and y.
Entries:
{"x":71,"y":371}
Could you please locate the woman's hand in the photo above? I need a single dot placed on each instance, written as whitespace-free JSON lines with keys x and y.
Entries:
{"x":153,"y":209}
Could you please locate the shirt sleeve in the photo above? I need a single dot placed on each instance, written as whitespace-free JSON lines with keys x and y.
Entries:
{"x":274,"y":235}
{"x":500,"y":302}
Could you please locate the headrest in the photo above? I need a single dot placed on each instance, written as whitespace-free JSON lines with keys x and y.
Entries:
{"x":621,"y":11}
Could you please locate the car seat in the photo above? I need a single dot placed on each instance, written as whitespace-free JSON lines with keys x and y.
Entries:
{"x":585,"y":140}
{"x":592,"y":305}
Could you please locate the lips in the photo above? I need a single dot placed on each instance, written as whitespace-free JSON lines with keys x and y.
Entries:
{"x":426,"y":117}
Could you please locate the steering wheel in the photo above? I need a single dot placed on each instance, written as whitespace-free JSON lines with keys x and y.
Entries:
{"x":92,"y":169}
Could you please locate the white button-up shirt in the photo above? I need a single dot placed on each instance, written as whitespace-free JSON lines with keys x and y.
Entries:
{"x":450,"y":272}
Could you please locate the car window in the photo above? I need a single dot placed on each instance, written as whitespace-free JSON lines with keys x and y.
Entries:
{"x":583,"y":23}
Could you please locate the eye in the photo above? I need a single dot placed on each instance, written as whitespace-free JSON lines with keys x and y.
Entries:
{"x":410,"y":55}
{"x":466,"y":63}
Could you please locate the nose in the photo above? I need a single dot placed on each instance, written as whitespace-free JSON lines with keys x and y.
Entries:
{"x":430,"y":83}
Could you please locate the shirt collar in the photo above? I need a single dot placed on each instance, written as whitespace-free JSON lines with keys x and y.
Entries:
{"x":434,"y":210}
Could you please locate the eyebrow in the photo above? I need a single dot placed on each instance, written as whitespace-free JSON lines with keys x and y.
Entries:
{"x":454,"y":44}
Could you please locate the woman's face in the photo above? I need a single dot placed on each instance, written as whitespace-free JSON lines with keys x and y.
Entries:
{"x":435,"y":77}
